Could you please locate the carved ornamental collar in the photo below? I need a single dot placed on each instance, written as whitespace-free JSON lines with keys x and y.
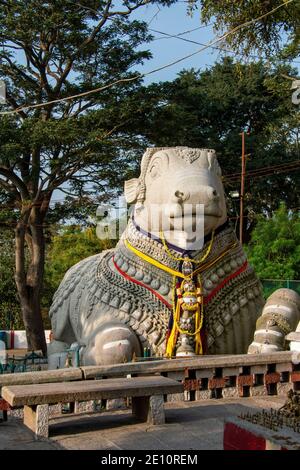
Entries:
{"x":152,"y":246}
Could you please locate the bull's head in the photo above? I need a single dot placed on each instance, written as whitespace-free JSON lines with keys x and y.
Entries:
{"x":180,"y":193}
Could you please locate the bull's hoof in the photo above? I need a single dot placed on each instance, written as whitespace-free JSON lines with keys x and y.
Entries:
{"x":57,"y":355}
{"x":259,"y":348}
{"x":112,"y":343}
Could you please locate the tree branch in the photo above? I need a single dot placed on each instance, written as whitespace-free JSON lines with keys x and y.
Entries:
{"x":11,"y":188}
{"x":131,"y":9}
{"x":15,"y":105}
{"x":105,"y":16}
{"x":18,"y":70}
{"x":10,"y":175}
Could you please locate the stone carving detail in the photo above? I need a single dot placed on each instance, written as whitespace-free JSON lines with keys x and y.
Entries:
{"x":280,"y":316}
{"x":117,"y":303}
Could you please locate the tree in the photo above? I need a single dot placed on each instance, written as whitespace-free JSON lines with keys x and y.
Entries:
{"x":10,"y":312}
{"x":50,"y":51}
{"x":274,"y":249}
{"x":211,"y":108}
{"x":69,"y":245}
{"x":275,"y":33}
{"x":67,"y":248}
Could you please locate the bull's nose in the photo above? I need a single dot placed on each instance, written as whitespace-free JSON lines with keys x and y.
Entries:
{"x":181,"y":196}
{"x":212,"y":194}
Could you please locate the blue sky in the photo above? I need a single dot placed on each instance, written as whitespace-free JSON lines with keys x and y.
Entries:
{"x":175,"y":20}
{"x":172,"y":21}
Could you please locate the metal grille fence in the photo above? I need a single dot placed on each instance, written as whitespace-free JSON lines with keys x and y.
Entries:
{"x":270,"y":285}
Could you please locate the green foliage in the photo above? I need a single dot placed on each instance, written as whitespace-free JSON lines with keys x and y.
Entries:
{"x":68,"y":248}
{"x":10,"y":312}
{"x":277,"y":32}
{"x":50,"y":51}
{"x":211,"y":108}
{"x":274,"y":250}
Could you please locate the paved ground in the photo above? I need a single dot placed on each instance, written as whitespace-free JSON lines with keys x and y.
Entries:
{"x":190,"y":426}
{"x":14,"y":436}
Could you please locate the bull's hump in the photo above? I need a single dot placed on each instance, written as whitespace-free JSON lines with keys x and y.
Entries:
{"x":81,"y":273}
{"x":80,"y":268}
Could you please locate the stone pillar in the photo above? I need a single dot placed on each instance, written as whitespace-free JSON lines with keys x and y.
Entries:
{"x":85,"y":406}
{"x":149,"y":409}
{"x":36,"y":418}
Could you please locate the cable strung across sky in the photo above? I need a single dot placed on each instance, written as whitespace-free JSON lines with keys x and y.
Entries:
{"x":139,"y":76}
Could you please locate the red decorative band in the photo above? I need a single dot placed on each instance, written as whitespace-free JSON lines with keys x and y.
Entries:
{"x":206,"y":299}
{"x":224,"y":282}
{"x":135,"y":281}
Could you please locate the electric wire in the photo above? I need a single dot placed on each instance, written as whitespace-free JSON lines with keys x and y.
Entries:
{"x":139,"y":76}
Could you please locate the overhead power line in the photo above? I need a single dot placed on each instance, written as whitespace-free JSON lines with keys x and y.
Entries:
{"x":276,"y":169}
{"x":229,"y":178}
{"x":183,"y":33}
{"x":139,"y":76}
{"x":273,"y":167}
{"x":218,"y":48}
{"x":178,"y":36}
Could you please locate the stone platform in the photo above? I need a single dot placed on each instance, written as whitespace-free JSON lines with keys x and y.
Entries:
{"x":240,"y":434}
{"x":190,"y":426}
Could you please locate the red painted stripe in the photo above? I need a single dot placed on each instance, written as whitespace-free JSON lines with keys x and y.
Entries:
{"x":237,"y":438}
{"x":206,"y":299}
{"x":135,"y":281}
{"x":222,"y":284}
{"x":4,"y":406}
{"x":12,"y":339}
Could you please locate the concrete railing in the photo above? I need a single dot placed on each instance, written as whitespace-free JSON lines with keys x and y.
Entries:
{"x":203,"y":376}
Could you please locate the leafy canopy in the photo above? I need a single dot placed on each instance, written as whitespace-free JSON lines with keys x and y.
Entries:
{"x":275,"y":33}
{"x":274,"y":249}
{"x":211,"y":108}
{"x":50,"y":51}
{"x":69,"y":247}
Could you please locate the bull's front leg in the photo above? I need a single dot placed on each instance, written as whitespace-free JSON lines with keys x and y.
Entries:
{"x":57,"y":354}
{"x":111,"y":343}
{"x":280,"y":316}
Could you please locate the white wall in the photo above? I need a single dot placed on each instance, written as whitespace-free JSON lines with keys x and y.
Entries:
{"x":3,"y":354}
{"x":20,"y":341}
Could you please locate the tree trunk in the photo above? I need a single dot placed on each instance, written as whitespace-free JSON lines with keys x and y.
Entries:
{"x":29,"y":276}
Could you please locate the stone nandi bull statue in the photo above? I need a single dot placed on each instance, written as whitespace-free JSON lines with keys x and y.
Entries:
{"x":167,"y":286}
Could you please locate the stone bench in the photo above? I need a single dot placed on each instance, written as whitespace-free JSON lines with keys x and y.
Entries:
{"x":147,"y":395}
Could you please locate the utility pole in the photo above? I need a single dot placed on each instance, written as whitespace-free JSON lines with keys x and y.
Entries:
{"x":242,"y":187}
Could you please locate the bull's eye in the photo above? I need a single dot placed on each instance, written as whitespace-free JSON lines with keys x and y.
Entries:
{"x":154,"y":171}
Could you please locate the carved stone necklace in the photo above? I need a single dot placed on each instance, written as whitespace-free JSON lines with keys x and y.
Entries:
{"x":187,"y":319}
{"x":166,"y":278}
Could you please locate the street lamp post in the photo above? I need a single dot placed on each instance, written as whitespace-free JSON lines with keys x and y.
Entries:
{"x":242,"y":187}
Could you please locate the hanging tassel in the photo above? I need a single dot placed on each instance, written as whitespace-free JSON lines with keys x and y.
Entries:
{"x":198,"y":326}
{"x":173,"y":335}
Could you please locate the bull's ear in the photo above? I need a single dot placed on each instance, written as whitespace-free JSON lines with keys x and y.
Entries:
{"x":213,"y":163}
{"x":131,"y":190}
